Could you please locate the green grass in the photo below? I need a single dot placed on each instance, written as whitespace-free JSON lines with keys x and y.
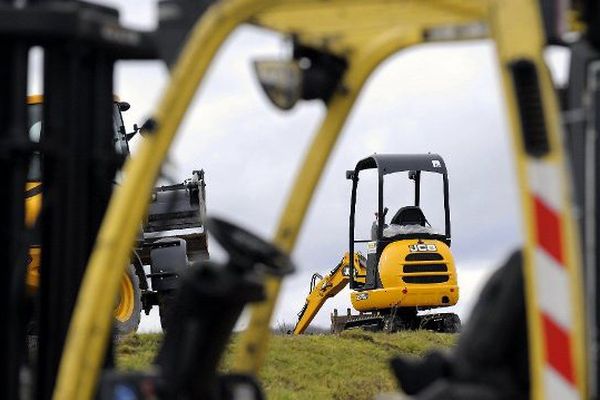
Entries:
{"x":136,"y":352}
{"x":352,"y":365}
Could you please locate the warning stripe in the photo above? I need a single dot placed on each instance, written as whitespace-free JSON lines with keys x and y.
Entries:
{"x":548,"y":230}
{"x":553,"y":291}
{"x":558,"y":348}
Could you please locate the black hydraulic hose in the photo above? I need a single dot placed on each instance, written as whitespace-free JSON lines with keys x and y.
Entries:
{"x":447,"y":207}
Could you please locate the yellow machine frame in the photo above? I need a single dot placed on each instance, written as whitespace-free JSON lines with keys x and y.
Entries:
{"x":366,"y":34}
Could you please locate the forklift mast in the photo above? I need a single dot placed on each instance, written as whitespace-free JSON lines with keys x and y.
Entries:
{"x":81,"y":43}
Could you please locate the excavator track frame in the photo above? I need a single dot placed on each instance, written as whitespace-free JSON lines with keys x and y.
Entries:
{"x":390,"y":322}
{"x":340,"y":323}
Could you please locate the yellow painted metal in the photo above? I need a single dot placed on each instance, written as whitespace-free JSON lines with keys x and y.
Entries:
{"x":358,"y":30}
{"x":35,"y":99}
{"x":126,"y":304}
{"x":395,"y":292}
{"x":33,"y":204}
{"x":346,"y":26}
{"x":518,"y":33}
{"x":418,"y":295}
{"x":394,"y":258}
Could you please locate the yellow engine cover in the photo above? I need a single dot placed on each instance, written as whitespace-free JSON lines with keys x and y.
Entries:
{"x":33,"y":202}
{"x":414,"y":273}
{"x":33,"y":205}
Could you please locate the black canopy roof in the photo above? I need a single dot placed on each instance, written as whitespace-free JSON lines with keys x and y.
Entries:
{"x":391,"y":163}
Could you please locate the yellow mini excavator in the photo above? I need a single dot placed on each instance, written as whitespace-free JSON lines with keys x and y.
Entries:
{"x":409,"y":266}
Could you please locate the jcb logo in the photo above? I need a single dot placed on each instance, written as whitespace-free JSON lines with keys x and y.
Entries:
{"x":362,"y":296}
{"x":414,"y":248}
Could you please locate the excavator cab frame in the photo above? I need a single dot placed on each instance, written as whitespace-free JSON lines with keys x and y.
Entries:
{"x":387,"y":164}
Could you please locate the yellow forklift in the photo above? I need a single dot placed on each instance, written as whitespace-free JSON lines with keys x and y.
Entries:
{"x":337,"y":46}
{"x":408,"y":267}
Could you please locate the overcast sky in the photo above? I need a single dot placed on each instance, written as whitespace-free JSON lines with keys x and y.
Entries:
{"x":435,"y":98}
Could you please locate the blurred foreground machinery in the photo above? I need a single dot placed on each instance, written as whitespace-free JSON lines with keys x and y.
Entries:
{"x":208,"y":304}
{"x":336,"y":47}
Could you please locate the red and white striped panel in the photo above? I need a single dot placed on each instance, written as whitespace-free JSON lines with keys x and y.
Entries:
{"x":553,"y":290}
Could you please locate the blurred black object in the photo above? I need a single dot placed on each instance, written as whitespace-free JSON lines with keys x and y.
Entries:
{"x":207,"y":305}
{"x":490,"y":360}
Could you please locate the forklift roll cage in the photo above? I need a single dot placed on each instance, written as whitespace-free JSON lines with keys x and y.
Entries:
{"x":387,"y":164}
{"x":364,"y":34}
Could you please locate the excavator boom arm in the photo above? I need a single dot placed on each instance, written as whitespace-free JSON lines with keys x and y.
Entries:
{"x":330,"y":285}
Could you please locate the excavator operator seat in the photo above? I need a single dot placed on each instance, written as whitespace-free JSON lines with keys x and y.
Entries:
{"x":409,"y":215}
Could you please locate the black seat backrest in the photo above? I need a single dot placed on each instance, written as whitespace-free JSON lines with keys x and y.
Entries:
{"x":409,"y":215}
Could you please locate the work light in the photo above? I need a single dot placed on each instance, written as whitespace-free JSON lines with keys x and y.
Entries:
{"x":281,"y":80}
{"x":310,"y":74}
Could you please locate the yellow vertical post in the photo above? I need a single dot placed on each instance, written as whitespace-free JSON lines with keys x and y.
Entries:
{"x":552,"y":266}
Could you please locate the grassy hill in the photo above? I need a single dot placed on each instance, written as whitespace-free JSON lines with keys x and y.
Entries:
{"x":351,"y":366}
